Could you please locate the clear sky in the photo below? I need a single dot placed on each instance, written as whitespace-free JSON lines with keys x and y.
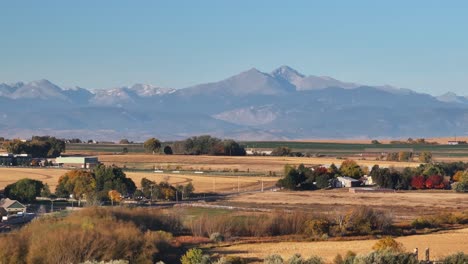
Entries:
{"x":422,"y":45}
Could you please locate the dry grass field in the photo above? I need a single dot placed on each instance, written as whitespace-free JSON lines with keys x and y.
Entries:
{"x":218,"y":183}
{"x":209,"y":183}
{"x":250,"y":163}
{"x":404,"y":206}
{"x":49,"y":176}
{"x":440,"y":244}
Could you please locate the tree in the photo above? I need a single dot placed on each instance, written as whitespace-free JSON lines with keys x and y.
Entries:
{"x":152,"y":145}
{"x":79,"y":183}
{"x":188,"y":190}
{"x":405,"y":156}
{"x":388,"y":244}
{"x":45,"y":192}
{"x":375,"y":142}
{"x":351,"y":169}
{"x":435,"y":182}
{"x":167,"y":150}
{"x":281,"y":151}
{"x":232,"y":148}
{"x":322,"y":181}
{"x":425,"y":156}
{"x":124,"y":141}
{"x":125,"y":150}
{"x":114,"y":196}
{"x":458,"y":176}
{"x":418,"y":182}
{"x":462,"y":185}
{"x":112,"y":178}
{"x":192,"y":256}
{"x":25,"y":190}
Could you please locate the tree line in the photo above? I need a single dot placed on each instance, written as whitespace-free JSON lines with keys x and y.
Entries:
{"x":426,"y":176}
{"x":37,"y":147}
{"x":197,"y":145}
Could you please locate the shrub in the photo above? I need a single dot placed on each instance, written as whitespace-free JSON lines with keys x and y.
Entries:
{"x":216,"y":237}
{"x":273,"y":259}
{"x":421,"y":222}
{"x":365,"y":220}
{"x":388,"y":244}
{"x":385,"y":257}
{"x":316,"y":228}
{"x":230,"y":260}
{"x":435,"y":182}
{"x":192,"y":256}
{"x":457,"y":258}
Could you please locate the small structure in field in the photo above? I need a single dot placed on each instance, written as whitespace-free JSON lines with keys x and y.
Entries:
{"x":77,"y":162}
{"x":342,"y":182}
{"x":8,"y":207}
{"x":455,"y":142}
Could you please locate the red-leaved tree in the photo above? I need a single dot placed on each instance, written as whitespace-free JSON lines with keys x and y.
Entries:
{"x":435,"y":182}
{"x":418,"y":182}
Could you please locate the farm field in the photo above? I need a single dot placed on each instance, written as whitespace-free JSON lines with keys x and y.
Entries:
{"x":441,"y":244}
{"x":331,"y":148}
{"x":261,"y":164}
{"x":217,"y":183}
{"x":404,"y":206}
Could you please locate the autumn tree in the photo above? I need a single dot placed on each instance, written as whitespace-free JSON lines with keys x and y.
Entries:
{"x":351,"y":169}
{"x":388,"y":244}
{"x":425,"y":156}
{"x":114,"y":196}
{"x":435,"y":182}
{"x":152,"y":145}
{"x":418,"y":182}
{"x":458,"y":176}
{"x":78,"y":183}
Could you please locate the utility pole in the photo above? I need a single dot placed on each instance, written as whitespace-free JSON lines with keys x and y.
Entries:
{"x":262,"y":184}
{"x":176,"y":197}
{"x":238,"y":185}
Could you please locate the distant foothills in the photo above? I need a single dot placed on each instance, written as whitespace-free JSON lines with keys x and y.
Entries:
{"x":252,"y":105}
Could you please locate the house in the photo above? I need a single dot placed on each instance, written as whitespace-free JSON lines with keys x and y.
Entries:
{"x":77,"y":162}
{"x":344,"y":181}
{"x":258,"y":152}
{"x":9,"y":207}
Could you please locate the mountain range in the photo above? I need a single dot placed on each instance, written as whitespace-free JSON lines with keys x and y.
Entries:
{"x":252,"y":105}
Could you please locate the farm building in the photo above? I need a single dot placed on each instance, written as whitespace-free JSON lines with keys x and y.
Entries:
{"x":7,"y":159}
{"x":8,"y":206}
{"x":77,"y":162}
{"x":342,"y":182}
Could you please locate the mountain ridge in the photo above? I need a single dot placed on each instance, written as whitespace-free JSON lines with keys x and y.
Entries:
{"x":282,"y":104}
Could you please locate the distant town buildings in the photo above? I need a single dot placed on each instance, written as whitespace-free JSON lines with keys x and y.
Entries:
{"x":77,"y":162}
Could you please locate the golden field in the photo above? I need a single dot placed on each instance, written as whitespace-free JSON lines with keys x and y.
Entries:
{"x":440,"y":244}
{"x":218,"y":183}
{"x":262,"y":164}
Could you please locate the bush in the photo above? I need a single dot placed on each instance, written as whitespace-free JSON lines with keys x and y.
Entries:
{"x":457,"y":258}
{"x":388,"y":244}
{"x":420,"y":223}
{"x":273,"y":259}
{"x":192,"y":256}
{"x":216,"y":237}
{"x":230,"y":260}
{"x":365,"y":220}
{"x":316,"y":228}
{"x":386,"y":257}
{"x":89,"y":234}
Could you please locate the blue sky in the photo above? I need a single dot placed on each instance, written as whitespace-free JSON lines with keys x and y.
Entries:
{"x":422,"y":45}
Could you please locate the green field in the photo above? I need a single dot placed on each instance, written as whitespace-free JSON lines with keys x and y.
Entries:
{"x":332,"y":149}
